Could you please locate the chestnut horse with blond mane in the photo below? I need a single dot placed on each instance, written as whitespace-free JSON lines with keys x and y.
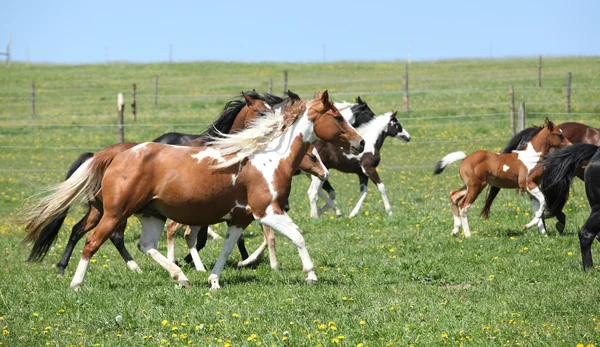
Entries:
{"x":239,"y":178}
{"x":504,"y":170}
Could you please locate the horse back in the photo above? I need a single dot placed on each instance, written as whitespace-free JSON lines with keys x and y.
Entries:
{"x":580,"y":133}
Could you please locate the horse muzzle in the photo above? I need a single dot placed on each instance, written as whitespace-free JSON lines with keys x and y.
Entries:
{"x":357,"y":149}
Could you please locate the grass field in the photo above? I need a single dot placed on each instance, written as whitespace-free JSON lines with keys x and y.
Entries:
{"x":399,"y":280}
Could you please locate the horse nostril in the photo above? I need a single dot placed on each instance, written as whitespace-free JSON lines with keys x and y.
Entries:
{"x":362,"y":144}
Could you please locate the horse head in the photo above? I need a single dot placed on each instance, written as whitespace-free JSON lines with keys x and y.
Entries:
{"x":395,"y":129}
{"x":555,"y":138}
{"x":330,"y":125}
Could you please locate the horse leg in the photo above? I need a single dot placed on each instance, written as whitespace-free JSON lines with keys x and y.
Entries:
{"x":590,"y":230}
{"x":455,"y":197}
{"x":172,"y":227}
{"x":328,"y":198}
{"x":536,"y":205}
{"x":190,"y":238}
{"x":284,"y":225}
{"x":536,"y":194}
{"x":363,"y":181}
{"x":241,"y":243}
{"x":151,"y":229}
{"x":200,"y":243}
{"x":88,"y":222}
{"x":105,"y":227}
{"x":213,"y":235}
{"x":313,"y":195}
{"x":254,"y":257}
{"x":233,"y":234}
{"x":561,"y":221}
{"x":473,"y":191}
{"x":374,"y":176}
{"x":117,"y":238}
{"x":270,"y":238}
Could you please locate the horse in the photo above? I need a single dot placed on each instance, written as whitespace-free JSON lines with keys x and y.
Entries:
{"x":234,"y":110}
{"x":560,"y":169}
{"x":356,"y":114}
{"x":364,"y":165}
{"x":575,"y":133}
{"x":238,"y":177}
{"x":504,"y":170}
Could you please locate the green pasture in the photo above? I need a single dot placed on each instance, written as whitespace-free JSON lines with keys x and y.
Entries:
{"x":383,"y":281}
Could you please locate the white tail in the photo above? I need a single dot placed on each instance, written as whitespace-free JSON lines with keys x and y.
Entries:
{"x":447,"y":160}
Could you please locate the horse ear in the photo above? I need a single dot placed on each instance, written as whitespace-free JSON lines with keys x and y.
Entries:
{"x":549,"y":124}
{"x":293,"y":96}
{"x":394,"y":114}
{"x":249,"y":100}
{"x":325,"y":98}
{"x":359,"y":100}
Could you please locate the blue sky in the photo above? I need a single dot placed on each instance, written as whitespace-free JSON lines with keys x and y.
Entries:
{"x":296,"y":31}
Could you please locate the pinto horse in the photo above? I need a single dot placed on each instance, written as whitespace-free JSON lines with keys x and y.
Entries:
{"x":232,"y":118}
{"x":364,"y":165}
{"x":240,"y":178}
{"x":560,"y":169}
{"x":575,"y":133}
{"x":505,"y":170}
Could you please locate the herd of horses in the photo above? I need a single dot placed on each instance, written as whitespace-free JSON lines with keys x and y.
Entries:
{"x":240,"y":170}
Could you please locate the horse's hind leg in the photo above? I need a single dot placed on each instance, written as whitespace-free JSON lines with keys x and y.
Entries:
{"x":539,"y":204}
{"x":87,"y":223}
{"x":117,"y":238}
{"x":455,"y":197}
{"x":313,"y":196}
{"x":363,"y":180}
{"x":190,"y":238}
{"x":473,"y":191}
{"x":374,"y":176}
{"x":590,"y":230}
{"x":172,"y":227}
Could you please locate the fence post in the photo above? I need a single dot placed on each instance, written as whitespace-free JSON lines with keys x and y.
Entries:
{"x":511,"y":92}
{"x":156,"y":91}
{"x":133,"y":104}
{"x":569,"y":92}
{"x":33,"y":98}
{"x":285,"y":80}
{"x":8,"y":52}
{"x":405,"y":96}
{"x":270,"y":85}
{"x":539,"y":71}
{"x":120,"y":109}
{"x":522,"y":116}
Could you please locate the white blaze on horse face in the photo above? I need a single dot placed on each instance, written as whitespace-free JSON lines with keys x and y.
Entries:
{"x":505,"y":167}
{"x":529,"y":157}
{"x":208,"y":153}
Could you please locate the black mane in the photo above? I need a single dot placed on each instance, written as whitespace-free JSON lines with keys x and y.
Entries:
{"x":520,"y":140}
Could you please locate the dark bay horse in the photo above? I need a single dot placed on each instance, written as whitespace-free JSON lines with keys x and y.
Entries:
{"x":575,"y":133}
{"x":560,"y":169}
{"x":235,"y":110}
{"x":232,"y":178}
{"x":364,"y":165}
{"x":505,"y":170}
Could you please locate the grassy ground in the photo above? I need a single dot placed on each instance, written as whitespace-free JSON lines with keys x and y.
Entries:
{"x":399,"y":280}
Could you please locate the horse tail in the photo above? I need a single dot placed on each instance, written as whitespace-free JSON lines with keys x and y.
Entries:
{"x":560,"y":168}
{"x":83,"y":184}
{"x":491,"y":195}
{"x":49,"y":232}
{"x":447,"y":160}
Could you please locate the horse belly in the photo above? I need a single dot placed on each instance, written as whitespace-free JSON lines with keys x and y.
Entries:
{"x":504,"y":181}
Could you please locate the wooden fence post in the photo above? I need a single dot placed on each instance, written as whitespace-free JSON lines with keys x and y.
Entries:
{"x":120,"y":109}
{"x":156,"y":91}
{"x":512,"y":110}
{"x":133,"y":104}
{"x":539,"y":71}
{"x":285,"y":80}
{"x":522,"y":116}
{"x":405,"y":95}
{"x":33,"y":98}
{"x":270,"y":85}
{"x":569,"y":92}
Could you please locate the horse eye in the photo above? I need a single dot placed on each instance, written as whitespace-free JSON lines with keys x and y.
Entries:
{"x":339,"y":118}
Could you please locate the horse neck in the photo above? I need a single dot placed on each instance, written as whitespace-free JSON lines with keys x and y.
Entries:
{"x":282,"y":145}
{"x":539,"y":142}
{"x":375,"y":133}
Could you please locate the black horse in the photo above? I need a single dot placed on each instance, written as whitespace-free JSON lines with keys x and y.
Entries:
{"x":561,"y":167}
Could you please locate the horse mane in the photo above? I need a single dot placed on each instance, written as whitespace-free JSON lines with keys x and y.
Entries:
{"x":520,"y":140}
{"x":230,"y":111}
{"x":260,"y":132}
{"x":373,"y":124}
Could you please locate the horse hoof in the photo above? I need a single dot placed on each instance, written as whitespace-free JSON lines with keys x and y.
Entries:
{"x":185,"y":284}
{"x":560,"y":227}
{"x":311,"y":281}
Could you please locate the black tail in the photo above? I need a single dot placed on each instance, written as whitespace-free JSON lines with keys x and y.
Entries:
{"x":48,"y":234}
{"x":560,"y":168}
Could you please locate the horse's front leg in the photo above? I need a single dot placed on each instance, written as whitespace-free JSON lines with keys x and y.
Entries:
{"x":363,"y":181}
{"x":313,"y":195}
{"x":117,"y":238}
{"x":374,"y":176}
{"x":284,"y":225}
{"x":539,"y":204}
{"x":190,"y":238}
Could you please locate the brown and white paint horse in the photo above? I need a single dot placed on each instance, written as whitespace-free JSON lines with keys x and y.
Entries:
{"x":504,"y":170}
{"x":364,"y":164}
{"x":241,"y":177}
